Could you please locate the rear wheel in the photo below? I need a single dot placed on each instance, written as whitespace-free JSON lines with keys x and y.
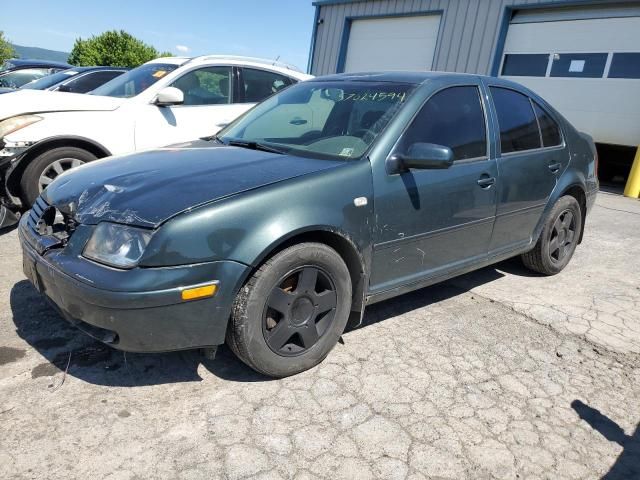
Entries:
{"x":292,"y":311}
{"x":46,"y":167}
{"x":558,"y":239}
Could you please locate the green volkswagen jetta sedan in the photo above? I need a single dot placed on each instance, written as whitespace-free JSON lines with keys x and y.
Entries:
{"x":329,"y":196}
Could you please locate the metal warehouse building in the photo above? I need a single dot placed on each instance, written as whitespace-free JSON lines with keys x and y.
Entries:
{"x":582,"y":56}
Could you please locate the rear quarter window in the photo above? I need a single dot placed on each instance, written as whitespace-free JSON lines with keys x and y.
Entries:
{"x":549,"y":129}
{"x":516,"y":119}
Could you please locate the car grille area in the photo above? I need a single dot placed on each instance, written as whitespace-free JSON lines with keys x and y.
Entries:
{"x":47,"y":227}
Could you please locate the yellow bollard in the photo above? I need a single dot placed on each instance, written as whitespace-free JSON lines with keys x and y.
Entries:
{"x":632,"y":188}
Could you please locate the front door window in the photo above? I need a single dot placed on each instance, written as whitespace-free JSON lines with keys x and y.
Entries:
{"x":206,"y":86}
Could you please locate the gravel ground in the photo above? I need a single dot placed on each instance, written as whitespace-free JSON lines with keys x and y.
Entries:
{"x":497,"y":374}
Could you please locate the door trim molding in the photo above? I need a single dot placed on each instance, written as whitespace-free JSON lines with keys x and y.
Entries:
{"x":434,"y":233}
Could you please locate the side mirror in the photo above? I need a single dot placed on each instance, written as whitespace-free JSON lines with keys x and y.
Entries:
{"x":64,"y":88}
{"x":169,"y":96}
{"x":421,"y":156}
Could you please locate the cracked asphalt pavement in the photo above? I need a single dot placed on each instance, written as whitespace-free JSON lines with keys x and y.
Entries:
{"x":497,"y":374}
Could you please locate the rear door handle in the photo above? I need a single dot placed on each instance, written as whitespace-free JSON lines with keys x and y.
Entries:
{"x":555,"y":167}
{"x":486,"y":182}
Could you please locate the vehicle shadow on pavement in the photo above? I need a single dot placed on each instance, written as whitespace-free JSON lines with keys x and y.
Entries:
{"x":627,"y":465}
{"x":435,"y":293}
{"x":5,"y":230}
{"x":65,"y":348}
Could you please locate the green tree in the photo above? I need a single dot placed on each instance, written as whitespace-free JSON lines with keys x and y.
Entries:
{"x":113,"y":48}
{"x":6,"y":49}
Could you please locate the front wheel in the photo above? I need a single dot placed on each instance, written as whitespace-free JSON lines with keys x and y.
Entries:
{"x":46,"y":167}
{"x":558,"y":239}
{"x":292,"y":311}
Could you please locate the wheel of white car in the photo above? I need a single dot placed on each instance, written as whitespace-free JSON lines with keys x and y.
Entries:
{"x":44,"y":169}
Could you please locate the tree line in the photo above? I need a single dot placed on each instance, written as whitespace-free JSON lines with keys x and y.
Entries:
{"x":114,"y":48}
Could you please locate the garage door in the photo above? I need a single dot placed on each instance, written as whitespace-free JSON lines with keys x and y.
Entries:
{"x":400,"y":43}
{"x":585,"y":62}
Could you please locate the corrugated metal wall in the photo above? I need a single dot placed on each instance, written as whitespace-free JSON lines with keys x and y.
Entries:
{"x":467,"y":39}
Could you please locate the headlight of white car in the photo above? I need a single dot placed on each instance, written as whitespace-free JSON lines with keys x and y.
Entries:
{"x":14,"y":124}
{"x":117,"y":245}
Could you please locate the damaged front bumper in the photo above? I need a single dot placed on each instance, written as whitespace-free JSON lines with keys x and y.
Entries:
{"x":138,"y":310}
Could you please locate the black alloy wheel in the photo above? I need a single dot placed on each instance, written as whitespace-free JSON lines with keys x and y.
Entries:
{"x":559,"y":238}
{"x":563,"y":236}
{"x":299,"y":311}
{"x":291,"y":312}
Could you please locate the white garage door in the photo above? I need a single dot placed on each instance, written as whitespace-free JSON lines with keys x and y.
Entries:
{"x":401,"y":43}
{"x":588,"y":68}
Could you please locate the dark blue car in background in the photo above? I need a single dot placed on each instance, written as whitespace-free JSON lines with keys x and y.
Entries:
{"x":76,"y":79}
{"x":73,"y":80}
{"x":15,"y":73}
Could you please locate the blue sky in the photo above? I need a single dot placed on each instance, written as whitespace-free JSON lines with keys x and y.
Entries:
{"x":264,"y":28}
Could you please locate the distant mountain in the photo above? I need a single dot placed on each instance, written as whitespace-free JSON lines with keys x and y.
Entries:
{"x":40,"y":53}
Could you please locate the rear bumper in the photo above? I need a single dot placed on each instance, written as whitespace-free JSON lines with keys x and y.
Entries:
{"x":142,"y":321}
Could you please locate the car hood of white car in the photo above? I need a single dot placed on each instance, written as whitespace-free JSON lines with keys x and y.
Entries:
{"x":39,"y":101}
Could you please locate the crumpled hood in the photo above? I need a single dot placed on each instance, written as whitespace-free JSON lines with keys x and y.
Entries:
{"x":42,"y":101}
{"x":148,"y":188}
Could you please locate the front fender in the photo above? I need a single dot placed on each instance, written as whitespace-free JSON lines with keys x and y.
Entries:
{"x":246,"y":227}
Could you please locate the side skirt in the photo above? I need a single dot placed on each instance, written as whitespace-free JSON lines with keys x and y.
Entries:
{"x":402,"y":289}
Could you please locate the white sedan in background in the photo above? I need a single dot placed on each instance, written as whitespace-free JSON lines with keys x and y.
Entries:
{"x":165,"y":101}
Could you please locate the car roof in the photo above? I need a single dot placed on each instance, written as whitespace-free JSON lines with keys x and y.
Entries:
{"x":278,"y":66}
{"x":29,"y":62}
{"x":88,"y":69}
{"x":393,"y":76}
{"x":418,"y":78}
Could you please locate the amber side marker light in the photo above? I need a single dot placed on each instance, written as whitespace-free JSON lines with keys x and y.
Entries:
{"x":199,"y":292}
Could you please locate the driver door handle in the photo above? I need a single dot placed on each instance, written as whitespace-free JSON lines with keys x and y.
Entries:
{"x":486,"y":181}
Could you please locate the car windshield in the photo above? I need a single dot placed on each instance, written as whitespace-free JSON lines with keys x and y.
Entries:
{"x":50,"y":80}
{"x":18,"y":78}
{"x":134,"y":81}
{"x":335,"y":120}
{"x":6,"y":66}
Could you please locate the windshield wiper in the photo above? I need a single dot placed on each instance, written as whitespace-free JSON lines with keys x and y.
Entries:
{"x":254,"y":146}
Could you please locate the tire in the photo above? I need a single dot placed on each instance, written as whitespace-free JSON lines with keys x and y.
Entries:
{"x":285,"y":319}
{"x":558,"y":239}
{"x":45,"y":163}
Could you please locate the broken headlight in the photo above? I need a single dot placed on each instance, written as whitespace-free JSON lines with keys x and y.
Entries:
{"x":117,"y":245}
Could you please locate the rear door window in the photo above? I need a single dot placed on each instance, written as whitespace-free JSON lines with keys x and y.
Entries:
{"x":453,"y":117}
{"x":516,"y":119}
{"x":260,"y":84}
